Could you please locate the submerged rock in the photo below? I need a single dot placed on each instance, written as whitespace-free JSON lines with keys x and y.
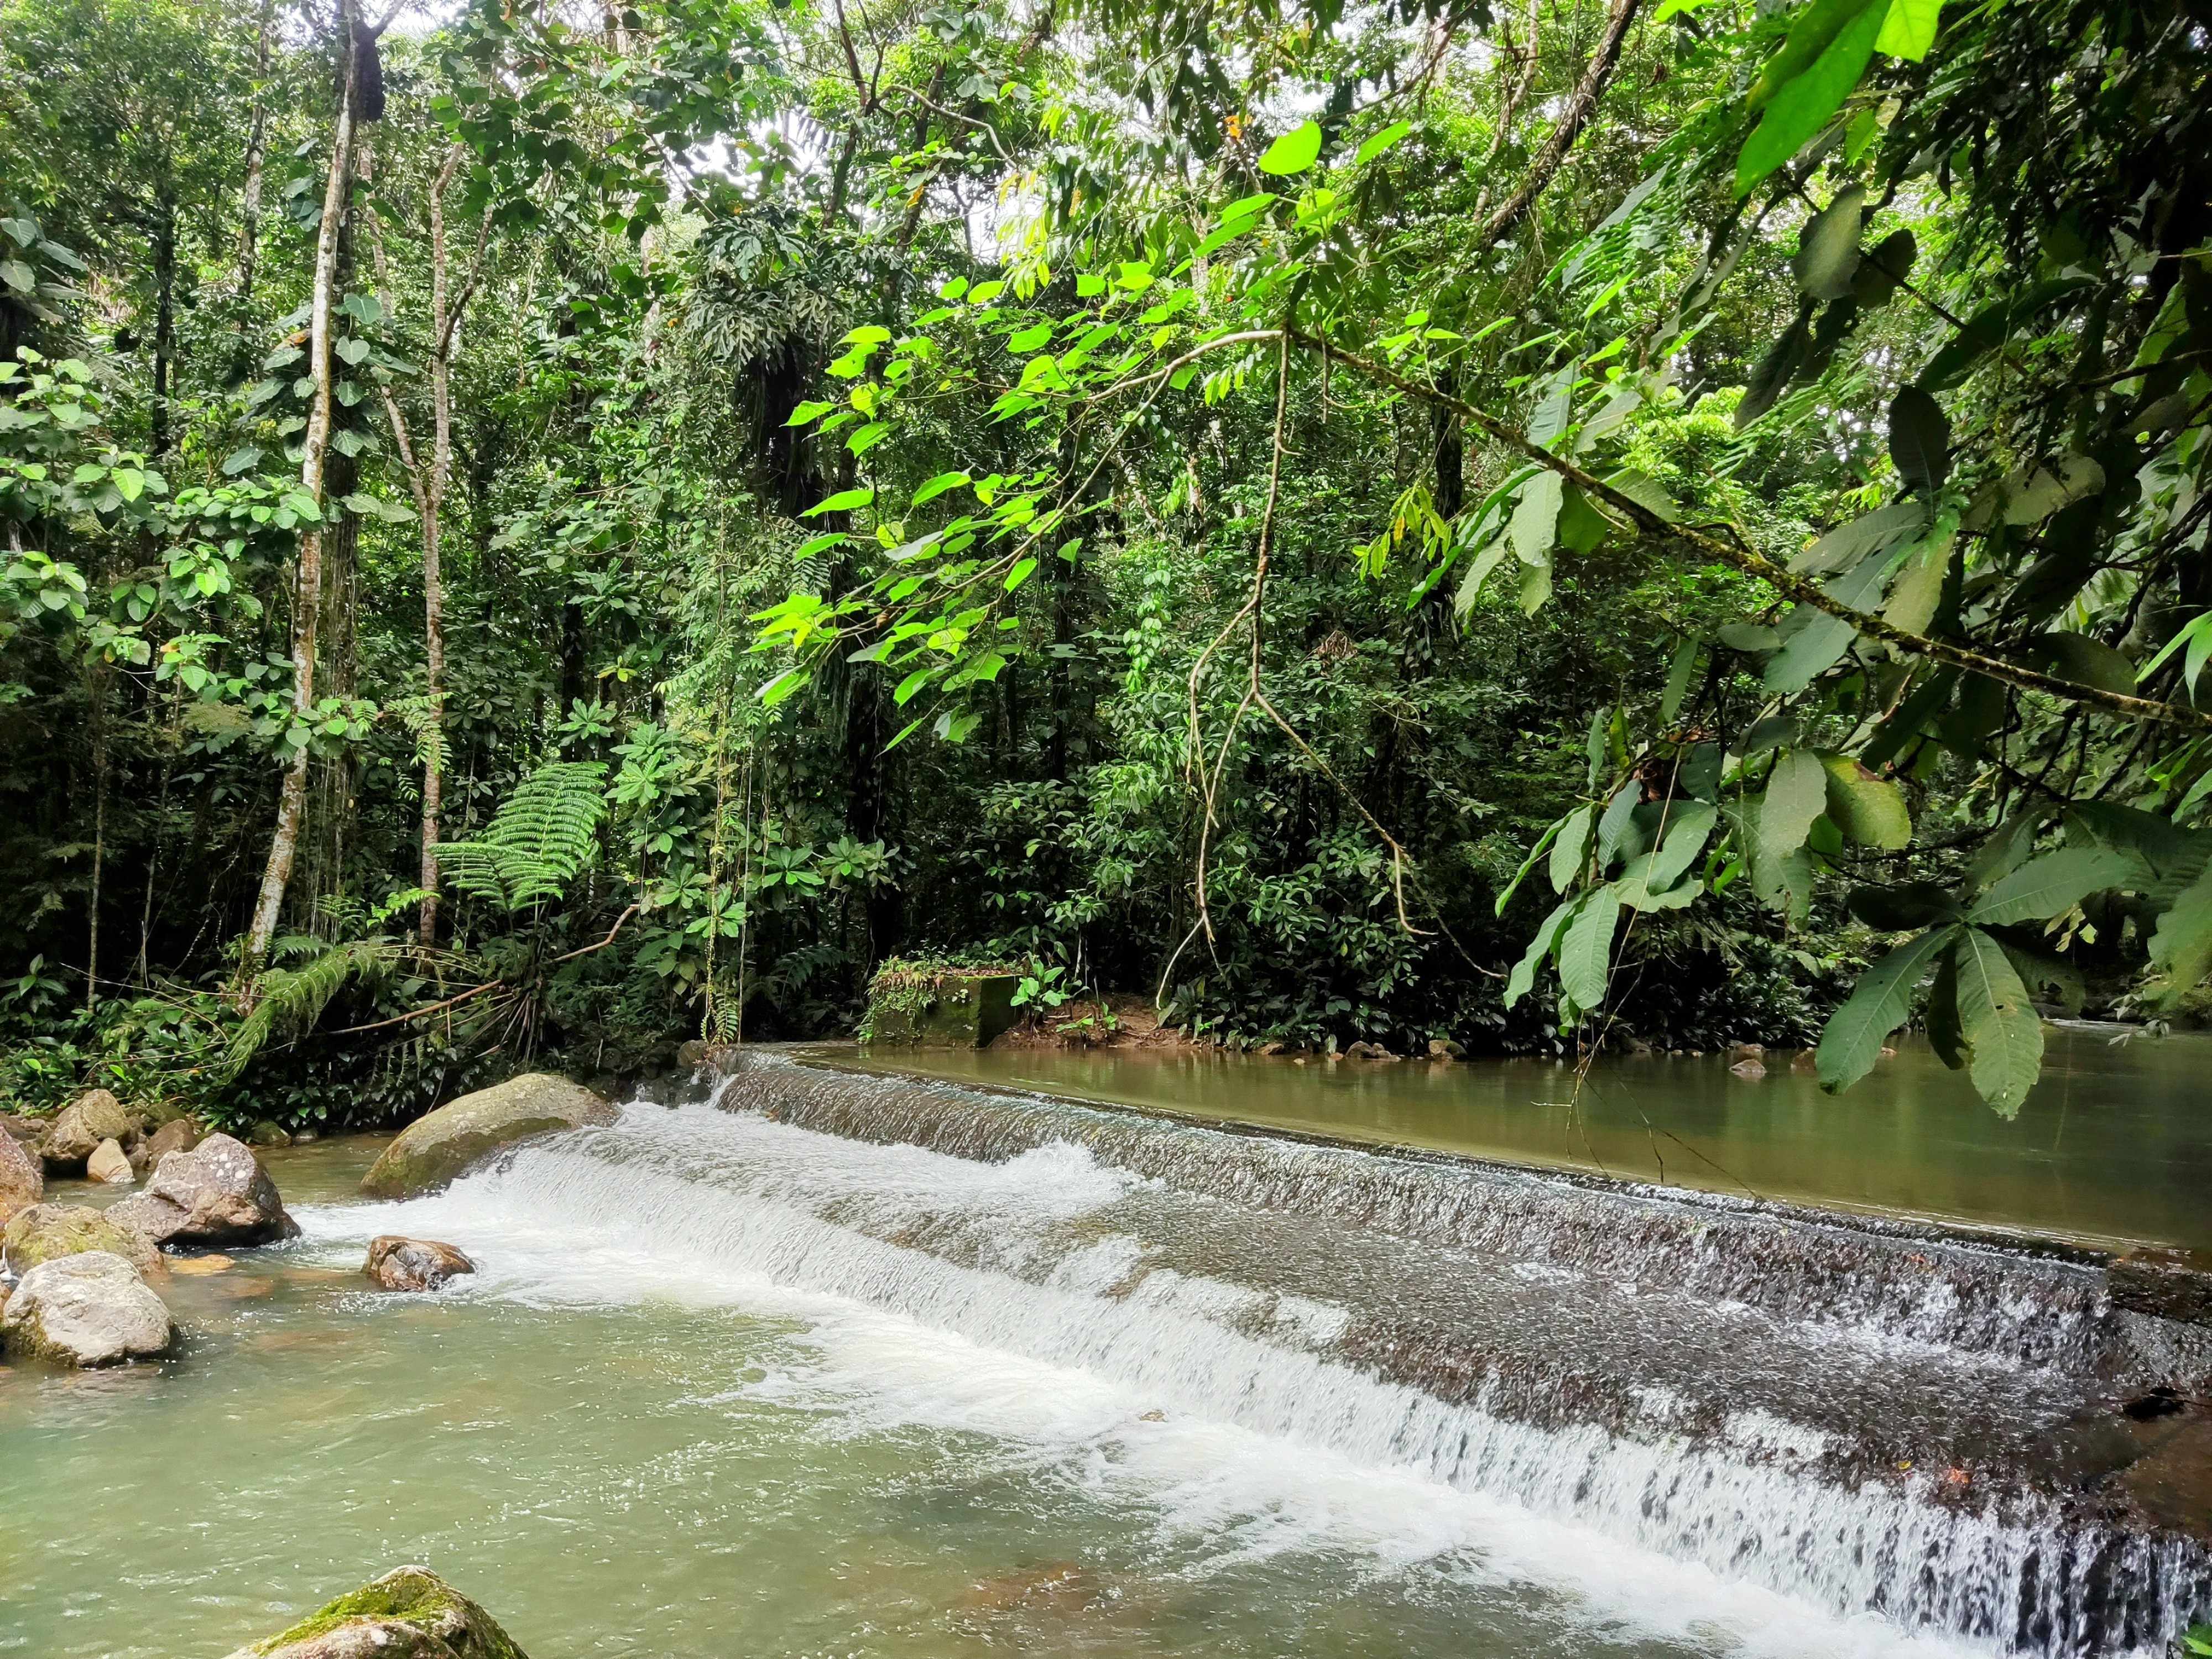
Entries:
{"x":1750,"y":1070}
{"x":216,"y":1193}
{"x":438,"y":1145}
{"x":110,"y":1163}
{"x":22,"y":1178}
{"x":87,"y":1310}
{"x":46,"y":1232}
{"x":409,"y":1613}
{"x":1446,"y":1048}
{"x":413,"y":1264}
{"x":94,"y":1116}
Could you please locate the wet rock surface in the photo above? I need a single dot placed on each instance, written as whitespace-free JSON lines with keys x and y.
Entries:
{"x":22,"y":1178}
{"x":216,"y":1194}
{"x":46,"y":1232}
{"x":87,"y":1310}
{"x":443,"y":1144}
{"x":395,"y":1263}
{"x":409,"y":1613}
{"x":81,"y":1126}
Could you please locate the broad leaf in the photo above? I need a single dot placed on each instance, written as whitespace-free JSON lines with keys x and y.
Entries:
{"x":1586,"y":949}
{"x":2052,"y":886}
{"x":1869,"y":810}
{"x":1847,"y":543}
{"x":1571,"y":850}
{"x":1797,"y":793}
{"x":2181,"y":949}
{"x":1524,"y":971}
{"x":1878,"y":1004}
{"x":1909,"y":28}
{"x":1997,"y":1024}
{"x":1827,"y":257}
{"x":1919,"y":440}
{"x":1294,"y":152}
{"x":1836,"y":37}
{"x":1537,"y":519}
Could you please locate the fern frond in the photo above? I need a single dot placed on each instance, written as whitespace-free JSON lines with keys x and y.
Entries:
{"x":541,"y":838}
{"x":292,"y":999}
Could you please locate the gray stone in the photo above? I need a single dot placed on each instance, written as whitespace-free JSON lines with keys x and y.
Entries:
{"x":86,"y":1310}
{"x":438,"y":1145}
{"x":178,"y":1135}
{"x":409,"y":1613}
{"x":46,"y":1232}
{"x":413,"y":1264}
{"x":216,"y":1193}
{"x":94,"y":1116}
{"x":110,"y":1164}
{"x":22,"y":1178}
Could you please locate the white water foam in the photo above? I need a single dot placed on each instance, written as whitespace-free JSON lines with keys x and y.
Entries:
{"x":1262,"y":1443}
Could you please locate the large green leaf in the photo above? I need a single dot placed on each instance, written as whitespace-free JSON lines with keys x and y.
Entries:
{"x":1813,"y":641}
{"x":1997,"y":1024}
{"x":1869,"y":810}
{"x":1909,"y":28}
{"x":1798,"y":103}
{"x":1878,"y":1004}
{"x":1586,"y":949}
{"x":1571,"y":850}
{"x":1919,"y":440}
{"x":1524,"y":971}
{"x":1847,"y":543}
{"x":1617,"y":827}
{"x":1797,"y":793}
{"x":2181,"y":949}
{"x":1828,"y":255}
{"x":1536,"y":519}
{"x":2052,"y":886}
{"x":1294,"y":152}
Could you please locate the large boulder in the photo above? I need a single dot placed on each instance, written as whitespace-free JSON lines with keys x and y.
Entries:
{"x":87,"y":1310}
{"x":22,"y":1178}
{"x":46,"y":1232}
{"x":409,"y":1613}
{"x":94,"y":1116}
{"x":438,"y":1145}
{"x":413,"y":1264}
{"x":216,"y":1194}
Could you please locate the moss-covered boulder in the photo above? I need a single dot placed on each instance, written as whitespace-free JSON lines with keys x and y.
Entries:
{"x":441,"y":1145}
{"x":409,"y":1613}
{"x":46,"y":1232}
{"x":914,"y":1006}
{"x":91,"y":1308}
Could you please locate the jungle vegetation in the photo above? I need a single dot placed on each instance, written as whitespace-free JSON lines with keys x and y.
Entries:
{"x":538,"y":528}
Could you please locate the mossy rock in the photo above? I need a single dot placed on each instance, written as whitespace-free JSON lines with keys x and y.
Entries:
{"x":438,"y":1145}
{"x":47,"y":1231}
{"x":409,"y":1613}
{"x":922,"y":1009}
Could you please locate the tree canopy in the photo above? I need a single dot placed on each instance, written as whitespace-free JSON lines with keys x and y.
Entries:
{"x":1546,"y":525}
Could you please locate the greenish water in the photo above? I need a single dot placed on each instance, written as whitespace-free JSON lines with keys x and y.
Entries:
{"x":658,"y":1422}
{"x":2113,"y":1145}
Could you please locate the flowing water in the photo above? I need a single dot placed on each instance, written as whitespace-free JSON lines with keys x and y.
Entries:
{"x":848,"y":1364}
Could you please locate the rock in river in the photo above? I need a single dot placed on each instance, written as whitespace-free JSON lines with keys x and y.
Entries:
{"x":87,"y":1310}
{"x":413,"y":1264}
{"x":22,"y":1178}
{"x":409,"y":1613}
{"x":438,"y":1145}
{"x":109,"y":1164}
{"x":46,"y":1232}
{"x":94,"y":1116}
{"x":216,"y":1193}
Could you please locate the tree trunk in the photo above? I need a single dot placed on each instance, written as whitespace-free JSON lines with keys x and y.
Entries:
{"x":307,"y":596}
{"x":165,"y":320}
{"x":257,"y":155}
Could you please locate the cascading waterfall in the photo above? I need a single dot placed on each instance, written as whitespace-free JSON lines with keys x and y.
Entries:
{"x":1868,"y":1419}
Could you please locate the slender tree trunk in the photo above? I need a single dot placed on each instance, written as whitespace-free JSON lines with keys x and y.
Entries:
{"x":257,"y":155}
{"x":306,"y":597}
{"x":165,"y":320}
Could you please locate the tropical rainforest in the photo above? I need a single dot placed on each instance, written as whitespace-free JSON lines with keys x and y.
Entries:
{"x":542,"y":529}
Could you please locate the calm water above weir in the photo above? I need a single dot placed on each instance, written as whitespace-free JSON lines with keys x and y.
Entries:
{"x":856,"y":1365}
{"x":2114,"y":1144}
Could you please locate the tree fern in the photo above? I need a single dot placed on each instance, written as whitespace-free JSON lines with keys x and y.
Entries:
{"x":289,"y":1000}
{"x":544,"y":835}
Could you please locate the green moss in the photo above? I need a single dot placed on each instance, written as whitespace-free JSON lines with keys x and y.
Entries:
{"x":938,"y":1005}
{"x":417,"y":1598}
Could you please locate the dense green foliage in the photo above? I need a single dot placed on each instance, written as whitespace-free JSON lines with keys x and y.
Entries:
{"x":1537,"y":526}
